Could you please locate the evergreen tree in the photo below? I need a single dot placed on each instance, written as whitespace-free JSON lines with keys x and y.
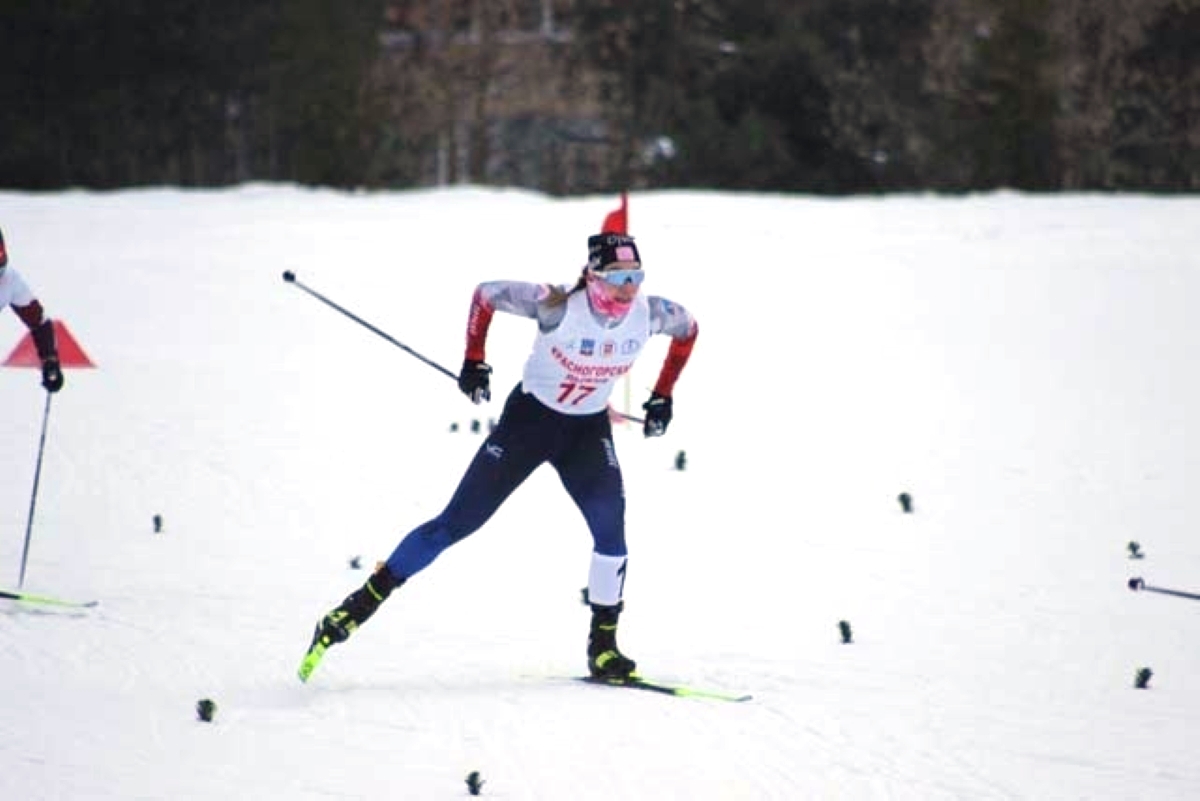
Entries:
{"x":1159,"y":115}
{"x":1009,"y":109}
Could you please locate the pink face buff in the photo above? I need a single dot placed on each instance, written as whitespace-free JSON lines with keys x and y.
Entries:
{"x":605,"y":303}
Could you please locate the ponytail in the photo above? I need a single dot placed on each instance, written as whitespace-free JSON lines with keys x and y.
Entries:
{"x":558,"y":297}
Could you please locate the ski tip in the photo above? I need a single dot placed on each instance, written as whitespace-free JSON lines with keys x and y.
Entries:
{"x":310,"y":662}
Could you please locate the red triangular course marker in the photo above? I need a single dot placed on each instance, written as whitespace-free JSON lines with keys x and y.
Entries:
{"x":70,"y":354}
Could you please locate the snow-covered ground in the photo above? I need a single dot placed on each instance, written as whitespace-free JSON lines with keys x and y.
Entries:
{"x":1024,"y":367}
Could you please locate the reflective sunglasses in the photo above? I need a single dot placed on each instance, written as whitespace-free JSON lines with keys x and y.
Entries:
{"x":621,"y":277}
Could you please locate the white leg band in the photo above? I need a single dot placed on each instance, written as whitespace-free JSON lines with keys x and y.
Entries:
{"x":606,"y":579}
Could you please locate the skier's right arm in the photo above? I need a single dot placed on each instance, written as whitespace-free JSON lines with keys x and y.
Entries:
{"x":512,"y":297}
{"x":515,"y":297}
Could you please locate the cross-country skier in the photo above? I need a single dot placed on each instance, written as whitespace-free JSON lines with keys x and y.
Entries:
{"x":588,"y":336}
{"x":15,"y":292}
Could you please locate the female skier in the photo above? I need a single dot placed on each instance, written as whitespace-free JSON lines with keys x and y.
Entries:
{"x":588,"y":336}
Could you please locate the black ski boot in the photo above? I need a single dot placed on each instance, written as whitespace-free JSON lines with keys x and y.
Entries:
{"x":605,"y":660}
{"x":339,"y":624}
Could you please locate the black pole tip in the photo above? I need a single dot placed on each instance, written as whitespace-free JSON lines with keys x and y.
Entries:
{"x":289,"y":276}
{"x":1136,"y":584}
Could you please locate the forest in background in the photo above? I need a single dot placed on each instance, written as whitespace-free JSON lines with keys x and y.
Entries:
{"x":583,"y":96}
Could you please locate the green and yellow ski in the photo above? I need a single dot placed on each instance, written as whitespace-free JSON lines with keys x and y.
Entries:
{"x":666,"y":688}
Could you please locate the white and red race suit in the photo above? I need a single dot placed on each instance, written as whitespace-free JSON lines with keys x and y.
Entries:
{"x":577,"y":354}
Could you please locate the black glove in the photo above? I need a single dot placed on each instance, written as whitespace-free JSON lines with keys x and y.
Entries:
{"x":474,"y":380}
{"x":658,"y":415}
{"x":52,"y":377}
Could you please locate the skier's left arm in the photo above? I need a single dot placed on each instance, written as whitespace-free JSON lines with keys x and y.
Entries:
{"x":678,"y":323}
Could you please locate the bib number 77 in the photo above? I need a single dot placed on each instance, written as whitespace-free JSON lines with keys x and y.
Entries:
{"x":572,"y":394}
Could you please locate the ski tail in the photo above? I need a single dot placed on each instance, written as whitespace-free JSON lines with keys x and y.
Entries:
{"x":46,"y":600}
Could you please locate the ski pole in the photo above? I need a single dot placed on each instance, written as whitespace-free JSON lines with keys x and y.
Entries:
{"x":1136,"y":584}
{"x":37,"y":473}
{"x":290,"y":277}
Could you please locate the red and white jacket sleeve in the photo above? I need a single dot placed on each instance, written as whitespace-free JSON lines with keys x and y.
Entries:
{"x":678,"y":354}
{"x":478,"y":321}
{"x":15,"y":292}
{"x":678,"y":323}
{"x":511,"y":297}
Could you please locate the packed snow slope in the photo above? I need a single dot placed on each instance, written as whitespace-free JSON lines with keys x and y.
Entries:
{"x":1024,"y":367}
